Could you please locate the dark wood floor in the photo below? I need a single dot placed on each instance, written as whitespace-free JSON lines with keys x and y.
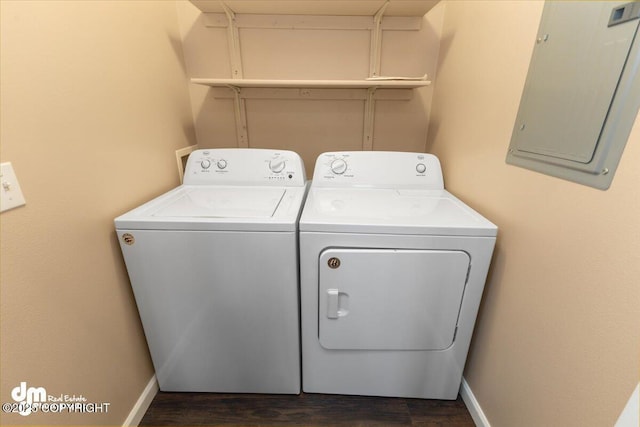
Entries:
{"x":211,"y":409}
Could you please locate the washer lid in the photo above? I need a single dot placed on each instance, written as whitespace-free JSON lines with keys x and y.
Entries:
{"x":218,"y":208}
{"x":224,"y":202}
{"x":367,"y":210}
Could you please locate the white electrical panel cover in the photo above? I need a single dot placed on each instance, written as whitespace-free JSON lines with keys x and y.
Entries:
{"x":581,"y":94}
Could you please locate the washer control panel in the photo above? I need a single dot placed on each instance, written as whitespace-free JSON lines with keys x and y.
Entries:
{"x":380,"y":169}
{"x":245,"y":166}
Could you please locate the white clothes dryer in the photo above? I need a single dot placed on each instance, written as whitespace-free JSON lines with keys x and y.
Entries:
{"x":392,"y":272}
{"x":213,"y":267}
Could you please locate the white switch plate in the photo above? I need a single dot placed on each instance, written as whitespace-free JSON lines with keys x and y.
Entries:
{"x":10,"y":192}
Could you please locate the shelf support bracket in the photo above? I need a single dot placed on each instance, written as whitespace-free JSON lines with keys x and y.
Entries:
{"x":233,"y":38}
{"x":374,"y":71}
{"x":240,"y":113}
{"x":239,"y":107}
{"x":369,"y":115}
{"x":376,"y":42}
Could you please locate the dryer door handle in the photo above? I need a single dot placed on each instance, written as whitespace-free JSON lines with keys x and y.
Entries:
{"x":337,"y":304}
{"x":333,"y":298}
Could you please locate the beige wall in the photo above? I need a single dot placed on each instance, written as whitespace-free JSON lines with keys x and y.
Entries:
{"x":310,"y":127}
{"x":557,"y":339}
{"x":94,"y":104}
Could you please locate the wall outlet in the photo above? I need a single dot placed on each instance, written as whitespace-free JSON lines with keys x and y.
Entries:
{"x":10,"y":192}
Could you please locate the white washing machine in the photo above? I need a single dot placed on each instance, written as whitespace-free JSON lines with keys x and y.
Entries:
{"x":214,"y":269}
{"x":392,"y":270}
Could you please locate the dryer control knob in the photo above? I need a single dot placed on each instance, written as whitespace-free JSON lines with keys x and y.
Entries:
{"x":222,"y":163}
{"x":277,"y":165}
{"x":421,"y":168}
{"x":205,"y":164}
{"x":338,"y":166}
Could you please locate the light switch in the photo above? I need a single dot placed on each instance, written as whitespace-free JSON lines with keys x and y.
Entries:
{"x":10,"y":192}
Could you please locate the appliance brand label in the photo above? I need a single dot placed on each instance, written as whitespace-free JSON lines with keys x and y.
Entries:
{"x":128,"y":239}
{"x":333,"y":262}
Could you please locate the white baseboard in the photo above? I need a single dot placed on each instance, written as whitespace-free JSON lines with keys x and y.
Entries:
{"x":479,"y":418}
{"x":141,"y":406}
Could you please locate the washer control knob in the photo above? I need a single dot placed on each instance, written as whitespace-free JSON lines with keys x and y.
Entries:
{"x":277,"y":165}
{"x":338,"y":166}
{"x":222,"y":163}
{"x":421,"y":168}
{"x":205,"y":164}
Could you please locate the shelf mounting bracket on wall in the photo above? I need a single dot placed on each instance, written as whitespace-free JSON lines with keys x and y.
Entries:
{"x":240,"y":112}
{"x":233,"y":38}
{"x":374,"y":71}
{"x":239,"y":107}
{"x":369,"y":112}
{"x":376,"y":41}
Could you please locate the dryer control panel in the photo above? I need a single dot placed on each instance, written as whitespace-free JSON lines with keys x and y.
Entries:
{"x":245,"y":166}
{"x":379,"y":169}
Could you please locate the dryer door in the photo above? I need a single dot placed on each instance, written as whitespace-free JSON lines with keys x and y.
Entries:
{"x":386,"y":299}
